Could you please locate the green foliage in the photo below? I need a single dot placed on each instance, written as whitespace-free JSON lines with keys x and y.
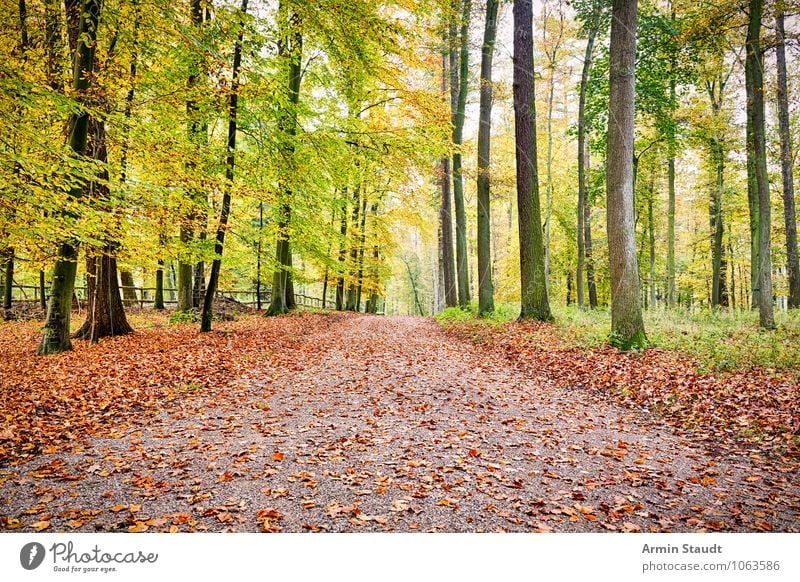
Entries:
{"x":178,"y":317}
{"x":718,"y":340}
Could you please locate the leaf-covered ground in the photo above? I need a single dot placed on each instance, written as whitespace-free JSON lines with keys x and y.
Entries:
{"x":359,"y":423}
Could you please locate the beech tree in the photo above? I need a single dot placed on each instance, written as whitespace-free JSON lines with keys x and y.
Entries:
{"x":535,"y":304}
{"x":485,"y":288}
{"x":627,"y":325}
{"x":291,"y":49}
{"x":55,"y":334}
{"x":758,"y":180}
{"x":790,"y":220}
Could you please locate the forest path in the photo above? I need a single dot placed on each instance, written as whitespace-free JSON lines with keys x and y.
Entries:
{"x":387,"y":424}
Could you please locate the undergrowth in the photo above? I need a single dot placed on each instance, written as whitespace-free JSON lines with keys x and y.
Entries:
{"x":719,"y":341}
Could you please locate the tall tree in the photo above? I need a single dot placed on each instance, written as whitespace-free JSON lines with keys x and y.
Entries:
{"x":715,"y":88}
{"x":460,"y":89}
{"x":55,"y":334}
{"x":757,"y":164}
{"x":446,"y":215}
{"x":8,"y":252}
{"x":207,"y":313}
{"x":196,"y":130}
{"x":534,"y":299}
{"x":105,"y":313}
{"x":790,"y":221}
{"x":671,"y":177}
{"x":290,"y":49}
{"x":591,"y":27}
{"x":627,"y":324}
{"x":551,"y":47}
{"x":485,"y":287}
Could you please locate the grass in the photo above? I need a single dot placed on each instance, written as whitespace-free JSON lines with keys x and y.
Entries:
{"x":719,"y":341}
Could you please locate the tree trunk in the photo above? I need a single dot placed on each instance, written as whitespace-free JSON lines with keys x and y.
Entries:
{"x":569,"y":288}
{"x":351,"y":288}
{"x":186,"y":294}
{"x":792,"y":262}
{"x":587,"y":236}
{"x":291,"y":303}
{"x":627,"y":325}
{"x":719,"y":294}
{"x":462,"y":265}
{"x":671,"y":146}
{"x":207,"y":313}
{"x":485,"y":286}
{"x":446,"y":216}
{"x":199,"y":278}
{"x":158,"y":301}
{"x":105,"y":314}
{"x":361,"y":249}
{"x":552,"y":56}
{"x":651,"y":244}
{"x":340,"y":299}
{"x":584,"y":230}
{"x":55,"y":335}
{"x":291,"y":49}
{"x":757,"y":162}
{"x":534,"y":299}
{"x":8,"y":283}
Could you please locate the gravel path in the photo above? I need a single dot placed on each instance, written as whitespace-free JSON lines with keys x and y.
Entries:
{"x":386,"y":424}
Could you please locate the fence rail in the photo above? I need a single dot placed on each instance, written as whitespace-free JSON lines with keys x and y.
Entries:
{"x":146,"y":295}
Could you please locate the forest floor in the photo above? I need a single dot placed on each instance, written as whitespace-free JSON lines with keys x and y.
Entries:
{"x":347,"y":422}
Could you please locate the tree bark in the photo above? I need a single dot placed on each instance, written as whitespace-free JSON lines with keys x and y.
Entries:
{"x":485,"y":286}
{"x":552,"y":56}
{"x":757,"y":162}
{"x":105,"y":314}
{"x":627,"y":325}
{"x":584,"y":230}
{"x":446,"y":215}
{"x":340,"y":298}
{"x":534,"y":298}
{"x":790,"y":221}
{"x":186,"y":293}
{"x":587,"y":236}
{"x":8,"y":283}
{"x":291,"y":49}
{"x":55,"y":335}
{"x":158,"y":301}
{"x":207,"y":313}
{"x":351,"y":288}
{"x":719,"y":292}
{"x":462,"y":265}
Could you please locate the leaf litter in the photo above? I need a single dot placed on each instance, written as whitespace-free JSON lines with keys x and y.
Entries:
{"x":343,"y":422}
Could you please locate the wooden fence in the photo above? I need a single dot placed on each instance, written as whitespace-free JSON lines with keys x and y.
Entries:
{"x":146,"y":296}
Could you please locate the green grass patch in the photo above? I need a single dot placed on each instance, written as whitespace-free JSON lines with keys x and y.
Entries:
{"x":718,"y":340}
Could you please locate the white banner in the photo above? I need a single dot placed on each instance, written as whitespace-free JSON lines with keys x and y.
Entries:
{"x":407,"y":557}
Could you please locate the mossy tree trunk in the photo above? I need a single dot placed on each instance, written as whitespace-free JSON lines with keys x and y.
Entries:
{"x":55,"y":334}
